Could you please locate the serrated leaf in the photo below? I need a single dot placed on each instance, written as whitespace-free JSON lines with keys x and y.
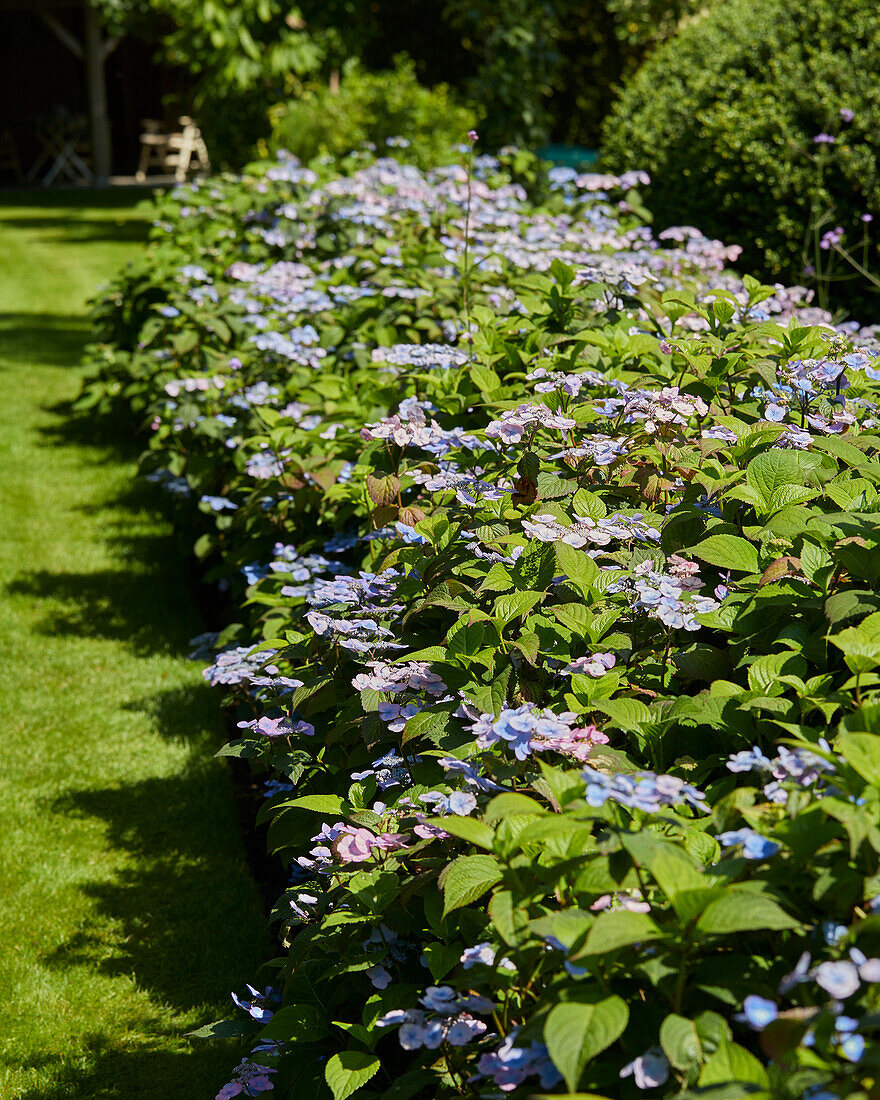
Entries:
{"x":427,"y":723}
{"x":484,"y":378}
{"x":574,"y":616}
{"x":345,"y":1073}
{"x":578,"y":566}
{"x":620,"y":928}
{"x":743,"y":912}
{"x":515,"y":604}
{"x":537,"y":566}
{"x":728,"y":552}
{"x":468,"y":878}
{"x":588,"y":505}
{"x":317,"y":803}
{"x":382,"y":490}
{"x":772,"y":469}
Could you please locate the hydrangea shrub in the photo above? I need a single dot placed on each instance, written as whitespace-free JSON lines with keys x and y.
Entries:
{"x":557,"y":631}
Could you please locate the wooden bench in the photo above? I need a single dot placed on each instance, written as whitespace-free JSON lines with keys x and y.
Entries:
{"x":175,"y":153}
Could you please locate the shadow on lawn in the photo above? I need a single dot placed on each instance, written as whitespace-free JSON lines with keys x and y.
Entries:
{"x":135,"y":604}
{"x":23,"y":337}
{"x":79,"y":231}
{"x":177,"y":906}
{"x":133,"y":1074}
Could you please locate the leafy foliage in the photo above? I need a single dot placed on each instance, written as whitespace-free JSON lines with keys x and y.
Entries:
{"x":731,"y":146}
{"x":389,"y":110}
{"x":558,"y":629}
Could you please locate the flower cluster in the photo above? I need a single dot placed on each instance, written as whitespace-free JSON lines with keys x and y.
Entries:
{"x":529,"y":729}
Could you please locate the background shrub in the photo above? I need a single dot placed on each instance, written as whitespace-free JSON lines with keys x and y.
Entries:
{"x":724,"y":118}
{"x":374,"y":107}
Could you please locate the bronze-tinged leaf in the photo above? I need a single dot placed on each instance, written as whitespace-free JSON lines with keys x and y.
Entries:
{"x":324,"y":477}
{"x":291,"y":481}
{"x":525,"y":491}
{"x":411,"y":515}
{"x":529,"y":466}
{"x":780,"y":1039}
{"x":783,"y":567}
{"x":382,"y":490}
{"x":384,"y":515}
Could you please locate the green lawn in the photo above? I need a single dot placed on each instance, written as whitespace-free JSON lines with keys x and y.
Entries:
{"x":126,"y":909}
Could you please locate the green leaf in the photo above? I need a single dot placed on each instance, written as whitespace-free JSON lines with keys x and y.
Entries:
{"x":427,"y":723}
{"x":504,"y":805}
{"x":680,"y":1041}
{"x":578,"y":566}
{"x":468,"y":878}
{"x":552,"y":485}
{"x":588,"y":505}
{"x":484,"y":378}
{"x":679,"y":879}
{"x":510,"y":921}
{"x":317,"y":803}
{"x":631,"y":715}
{"x":619,"y":929}
{"x":347,"y":1072}
{"x":515,"y":604}
{"x":498,"y":579}
{"x":728,"y":552}
{"x":860,"y":644}
{"x":849,"y":604}
{"x":467,"y":828}
{"x":536,"y":567}
{"x":225,"y":1029}
{"x":772,"y":469}
{"x":467,"y":639}
{"x":574,"y":616}
{"x":300,"y":1023}
{"x":743,"y":912}
{"x":862,"y":752}
{"x":441,"y":958}
{"x":731,"y":1064}
{"x":575,"y":1033}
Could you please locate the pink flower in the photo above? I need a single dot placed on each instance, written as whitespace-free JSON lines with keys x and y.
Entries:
{"x":633,"y":902}
{"x":391,"y":842}
{"x":354,"y":845}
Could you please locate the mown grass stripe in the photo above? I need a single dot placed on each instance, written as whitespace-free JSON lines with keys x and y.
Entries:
{"x":126,"y":908}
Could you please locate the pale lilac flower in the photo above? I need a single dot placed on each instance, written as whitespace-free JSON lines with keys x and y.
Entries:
{"x":840,"y":979}
{"x":650,"y":1070}
{"x":595,"y":665}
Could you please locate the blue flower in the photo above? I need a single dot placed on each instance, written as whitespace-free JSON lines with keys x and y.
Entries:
{"x":754,"y":846}
{"x":758,"y":1012}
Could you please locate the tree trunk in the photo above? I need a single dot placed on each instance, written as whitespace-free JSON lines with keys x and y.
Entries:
{"x":97,"y":85}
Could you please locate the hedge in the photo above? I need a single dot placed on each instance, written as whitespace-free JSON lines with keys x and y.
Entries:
{"x":553,"y":551}
{"x":757,"y":122}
